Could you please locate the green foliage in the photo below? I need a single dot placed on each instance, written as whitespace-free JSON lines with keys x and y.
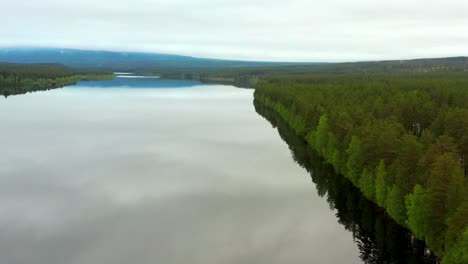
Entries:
{"x":442,"y":195}
{"x":366,"y":184}
{"x":321,"y":135}
{"x":457,"y":224}
{"x":335,"y":160}
{"x":23,"y":78}
{"x":380,"y":185}
{"x":355,"y":162}
{"x":395,"y":204}
{"x":410,"y":152}
{"x":416,"y":207}
{"x":310,"y":138}
{"x":243,"y":75}
{"x":411,"y":130}
{"x":458,"y":254}
{"x":380,"y":239}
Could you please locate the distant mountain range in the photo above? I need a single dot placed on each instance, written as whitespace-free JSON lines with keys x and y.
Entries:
{"x":121,"y":61}
{"x":191,"y":67}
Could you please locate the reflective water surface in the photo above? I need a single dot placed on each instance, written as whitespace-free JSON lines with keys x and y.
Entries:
{"x":135,"y":171}
{"x":379,"y":238}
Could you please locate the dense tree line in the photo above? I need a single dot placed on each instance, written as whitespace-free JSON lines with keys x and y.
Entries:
{"x":380,"y":239}
{"x":401,"y":139}
{"x":248,"y":77}
{"x":23,"y":78}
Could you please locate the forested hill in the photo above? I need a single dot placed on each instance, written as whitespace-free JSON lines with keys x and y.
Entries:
{"x":248,"y":77}
{"x":22,"y":78}
{"x":176,"y":66}
{"x":401,"y":139}
{"x":121,"y":61}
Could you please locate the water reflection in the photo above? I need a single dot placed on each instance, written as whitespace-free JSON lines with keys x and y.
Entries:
{"x":126,"y":175}
{"x":97,"y":175}
{"x":379,"y":238}
{"x":132,"y":81}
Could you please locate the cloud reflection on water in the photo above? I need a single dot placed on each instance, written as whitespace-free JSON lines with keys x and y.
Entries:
{"x":155,"y":176}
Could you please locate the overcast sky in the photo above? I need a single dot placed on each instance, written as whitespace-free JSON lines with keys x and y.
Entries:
{"x":277,"y":30}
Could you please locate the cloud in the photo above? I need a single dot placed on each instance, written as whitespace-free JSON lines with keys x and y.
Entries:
{"x":297,"y":30}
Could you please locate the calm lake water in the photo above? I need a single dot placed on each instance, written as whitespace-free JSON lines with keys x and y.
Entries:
{"x":162,"y":171}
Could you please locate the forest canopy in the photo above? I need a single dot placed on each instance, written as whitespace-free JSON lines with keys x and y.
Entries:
{"x":401,"y":139}
{"x":21,"y":78}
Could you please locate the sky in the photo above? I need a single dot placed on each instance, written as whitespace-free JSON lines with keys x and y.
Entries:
{"x":271,"y":30}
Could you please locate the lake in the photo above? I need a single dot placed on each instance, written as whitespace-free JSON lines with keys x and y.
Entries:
{"x":144,"y":170}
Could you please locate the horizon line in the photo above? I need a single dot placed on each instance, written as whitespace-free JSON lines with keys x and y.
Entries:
{"x":219,"y":59}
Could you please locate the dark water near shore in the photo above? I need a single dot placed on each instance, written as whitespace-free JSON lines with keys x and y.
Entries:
{"x":135,"y":171}
{"x":380,"y":239}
